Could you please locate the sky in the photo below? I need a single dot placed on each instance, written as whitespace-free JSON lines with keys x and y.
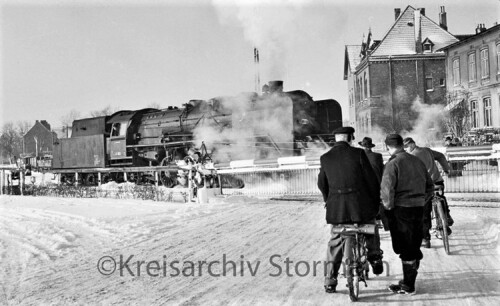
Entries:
{"x":59,"y":56}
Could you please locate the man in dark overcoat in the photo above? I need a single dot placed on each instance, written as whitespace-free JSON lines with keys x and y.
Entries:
{"x":352,"y":194}
{"x":377,"y":163}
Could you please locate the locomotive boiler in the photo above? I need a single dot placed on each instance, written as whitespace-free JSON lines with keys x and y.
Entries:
{"x":251,"y":125}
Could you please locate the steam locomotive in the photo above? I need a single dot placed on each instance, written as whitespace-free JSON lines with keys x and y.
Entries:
{"x":271,"y":124}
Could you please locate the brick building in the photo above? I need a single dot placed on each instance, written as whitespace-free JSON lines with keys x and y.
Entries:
{"x":39,"y":140}
{"x":473,"y":76}
{"x":386,"y":77}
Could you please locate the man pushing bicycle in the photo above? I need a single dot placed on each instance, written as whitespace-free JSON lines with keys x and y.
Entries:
{"x":351,"y":192}
{"x":406,"y":186}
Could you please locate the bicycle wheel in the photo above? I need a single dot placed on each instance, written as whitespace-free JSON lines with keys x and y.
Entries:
{"x":444,"y":226}
{"x":354,"y":288}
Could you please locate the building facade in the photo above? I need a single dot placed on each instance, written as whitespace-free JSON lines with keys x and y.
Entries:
{"x":392,"y":76}
{"x":473,"y":77}
{"x":39,"y":140}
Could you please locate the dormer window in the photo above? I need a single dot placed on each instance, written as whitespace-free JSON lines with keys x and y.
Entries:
{"x":427,"y":46}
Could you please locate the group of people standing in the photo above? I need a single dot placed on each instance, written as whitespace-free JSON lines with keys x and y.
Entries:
{"x":359,"y":189}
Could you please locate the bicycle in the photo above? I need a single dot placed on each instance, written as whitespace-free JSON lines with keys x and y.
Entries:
{"x":440,"y":217}
{"x":355,"y":254}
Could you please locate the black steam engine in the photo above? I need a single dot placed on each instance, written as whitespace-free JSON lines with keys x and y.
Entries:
{"x":151,"y":137}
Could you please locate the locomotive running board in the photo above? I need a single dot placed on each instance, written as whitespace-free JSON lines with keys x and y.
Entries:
{"x":166,"y":144}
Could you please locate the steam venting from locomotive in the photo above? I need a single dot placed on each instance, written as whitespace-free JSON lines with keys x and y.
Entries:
{"x":261,"y":125}
{"x":270,"y":27}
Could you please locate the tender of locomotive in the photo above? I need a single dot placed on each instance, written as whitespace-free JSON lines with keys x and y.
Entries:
{"x":151,"y":137}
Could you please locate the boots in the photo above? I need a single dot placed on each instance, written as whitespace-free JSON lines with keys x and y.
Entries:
{"x":331,"y":279}
{"x":407,"y":285}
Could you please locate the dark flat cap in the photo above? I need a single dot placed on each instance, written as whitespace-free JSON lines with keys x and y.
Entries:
{"x":366,"y":142}
{"x":394,"y":140}
{"x":343,"y":130}
{"x":408,"y":140}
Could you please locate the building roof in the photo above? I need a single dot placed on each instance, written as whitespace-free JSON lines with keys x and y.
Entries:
{"x":352,"y":58}
{"x":402,"y":36}
{"x":467,"y":38}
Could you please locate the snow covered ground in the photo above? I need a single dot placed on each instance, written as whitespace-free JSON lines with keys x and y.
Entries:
{"x":51,"y":250}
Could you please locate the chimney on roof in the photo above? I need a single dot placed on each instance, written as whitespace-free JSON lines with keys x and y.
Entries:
{"x":418,"y":31}
{"x":422,"y":11}
{"x":442,"y":19}
{"x":397,"y":12}
{"x":45,"y":124}
{"x":480,"y":28}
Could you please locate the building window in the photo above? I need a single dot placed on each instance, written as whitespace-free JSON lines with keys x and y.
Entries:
{"x":472,"y":67}
{"x":366,"y":87}
{"x":474,"y":114}
{"x":498,"y":59}
{"x":487,"y":111}
{"x":485,"y":66}
{"x":428,"y":83}
{"x":456,"y":71}
{"x":441,"y":82}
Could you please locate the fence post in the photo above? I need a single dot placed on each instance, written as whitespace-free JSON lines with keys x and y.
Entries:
{"x":76,"y":178}
{"x":125,"y":176}
{"x":190,"y":186}
{"x":156,"y":185}
{"x":2,"y":173}
{"x":21,"y":181}
{"x":99,"y":179}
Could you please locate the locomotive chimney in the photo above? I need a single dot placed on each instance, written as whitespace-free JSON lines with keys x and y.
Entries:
{"x":275,"y":86}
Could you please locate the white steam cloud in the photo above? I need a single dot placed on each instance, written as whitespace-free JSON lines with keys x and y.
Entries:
{"x":271,"y":26}
{"x":259,"y":129}
{"x":427,"y":129}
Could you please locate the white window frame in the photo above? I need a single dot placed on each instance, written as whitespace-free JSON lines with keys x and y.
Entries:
{"x":474,"y":113}
{"x":485,"y":64}
{"x":487,"y":111}
{"x":498,"y":58}
{"x":471,"y":59}
{"x":456,"y":71}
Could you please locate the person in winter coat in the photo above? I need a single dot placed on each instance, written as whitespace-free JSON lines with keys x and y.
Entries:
{"x":405,"y":188}
{"x":428,"y":157}
{"x":377,"y":163}
{"x":351,"y":191}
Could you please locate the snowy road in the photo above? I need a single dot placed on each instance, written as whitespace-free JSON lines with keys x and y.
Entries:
{"x":50,"y":249}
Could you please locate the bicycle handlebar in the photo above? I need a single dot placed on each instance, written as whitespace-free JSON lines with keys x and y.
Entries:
{"x":354,"y":228}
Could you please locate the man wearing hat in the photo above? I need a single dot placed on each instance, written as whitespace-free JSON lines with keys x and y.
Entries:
{"x":428,"y":157}
{"x":375,"y":159}
{"x":351,"y":192}
{"x":406,"y":186}
{"x":377,"y":163}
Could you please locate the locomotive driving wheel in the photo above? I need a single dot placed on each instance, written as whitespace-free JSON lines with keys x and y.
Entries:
{"x":166,"y":179}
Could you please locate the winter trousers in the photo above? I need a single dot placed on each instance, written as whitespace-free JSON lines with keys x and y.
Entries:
{"x":335,"y":252}
{"x":405,"y":225}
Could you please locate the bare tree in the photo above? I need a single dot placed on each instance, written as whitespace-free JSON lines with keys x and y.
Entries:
{"x":23,"y":127}
{"x":10,"y":141}
{"x":67,"y":122}
{"x":458,"y":112}
{"x":154,"y":105}
{"x":108,"y":110}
